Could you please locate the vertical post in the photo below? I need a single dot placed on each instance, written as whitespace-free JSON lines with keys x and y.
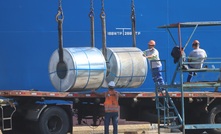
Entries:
{"x":181,"y":82}
{"x":157,"y":106}
{"x":179,"y":36}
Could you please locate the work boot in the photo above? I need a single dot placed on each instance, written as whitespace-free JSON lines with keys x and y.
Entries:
{"x":194,"y":73}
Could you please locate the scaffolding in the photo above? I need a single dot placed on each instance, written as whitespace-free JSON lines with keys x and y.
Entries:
{"x":168,"y":114}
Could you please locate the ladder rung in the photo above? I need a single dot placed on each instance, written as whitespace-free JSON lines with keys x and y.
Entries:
{"x":171,"y":107}
{"x":172,"y":117}
{"x":160,"y":107}
{"x":174,"y":126}
{"x":164,"y":108}
{"x":7,"y":118}
{"x":7,"y":129}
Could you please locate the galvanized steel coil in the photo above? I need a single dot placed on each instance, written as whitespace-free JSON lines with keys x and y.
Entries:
{"x":83,"y":68}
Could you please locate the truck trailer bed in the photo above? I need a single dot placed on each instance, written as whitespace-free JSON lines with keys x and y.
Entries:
{"x":29,"y":93}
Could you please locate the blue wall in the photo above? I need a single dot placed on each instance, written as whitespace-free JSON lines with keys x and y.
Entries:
{"x":28,"y":33}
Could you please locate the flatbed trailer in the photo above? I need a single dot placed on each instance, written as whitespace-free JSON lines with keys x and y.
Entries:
{"x":31,"y":111}
{"x":128,"y":95}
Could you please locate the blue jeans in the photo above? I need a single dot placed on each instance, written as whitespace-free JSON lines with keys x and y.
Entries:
{"x":157,"y":76}
{"x":190,"y":75}
{"x":114,"y":117}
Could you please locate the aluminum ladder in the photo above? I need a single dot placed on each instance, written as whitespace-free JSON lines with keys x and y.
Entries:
{"x":6,"y":114}
{"x":168,"y":115}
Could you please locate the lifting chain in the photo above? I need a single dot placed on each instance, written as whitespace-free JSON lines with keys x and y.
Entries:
{"x":133,"y":23}
{"x":102,"y":9}
{"x":60,"y":15}
{"x":103,"y":21}
{"x":132,"y":10}
{"x":91,"y":15}
{"x":59,"y":19}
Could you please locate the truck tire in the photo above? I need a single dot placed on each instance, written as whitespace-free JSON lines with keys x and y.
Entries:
{"x":53,"y":120}
{"x":214,"y":117}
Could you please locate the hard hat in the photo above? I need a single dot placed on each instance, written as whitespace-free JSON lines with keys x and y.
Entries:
{"x":111,"y":84}
{"x":196,"y":42}
{"x":152,"y":43}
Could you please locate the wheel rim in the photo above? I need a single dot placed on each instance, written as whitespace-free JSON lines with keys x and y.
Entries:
{"x":218,"y":118}
{"x":54,"y":124}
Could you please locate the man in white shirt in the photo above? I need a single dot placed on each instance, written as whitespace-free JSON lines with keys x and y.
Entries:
{"x":152,"y":55}
{"x":196,"y":55}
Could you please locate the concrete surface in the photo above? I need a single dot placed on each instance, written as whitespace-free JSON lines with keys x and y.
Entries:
{"x":123,"y":129}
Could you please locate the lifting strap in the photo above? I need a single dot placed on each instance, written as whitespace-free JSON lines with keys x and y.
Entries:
{"x":91,"y":15}
{"x":133,"y":23}
{"x":103,"y":22}
{"x":59,"y":19}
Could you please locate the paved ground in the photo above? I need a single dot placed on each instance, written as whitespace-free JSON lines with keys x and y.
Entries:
{"x":123,"y":129}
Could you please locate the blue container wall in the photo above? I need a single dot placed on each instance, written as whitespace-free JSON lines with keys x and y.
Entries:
{"x":28,"y":33}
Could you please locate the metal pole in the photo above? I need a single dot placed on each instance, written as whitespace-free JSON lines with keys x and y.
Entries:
{"x":190,"y":37}
{"x":181,"y":82}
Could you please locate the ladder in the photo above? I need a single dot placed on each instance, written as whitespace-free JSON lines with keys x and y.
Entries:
{"x":7,"y":110}
{"x":168,"y":115}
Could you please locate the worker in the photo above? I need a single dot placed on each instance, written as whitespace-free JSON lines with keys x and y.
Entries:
{"x":196,"y":55}
{"x":111,"y":107}
{"x":152,"y":55}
